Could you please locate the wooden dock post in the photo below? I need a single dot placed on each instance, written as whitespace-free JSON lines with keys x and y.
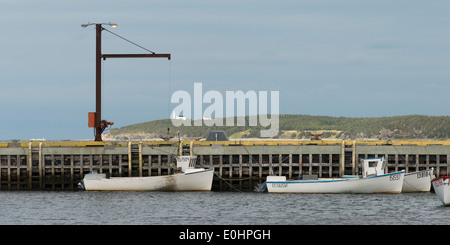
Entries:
{"x":129,"y":159}
{"x":342,"y":167}
{"x":30,"y":164}
{"x":140,"y":159}
{"x":353,"y":157}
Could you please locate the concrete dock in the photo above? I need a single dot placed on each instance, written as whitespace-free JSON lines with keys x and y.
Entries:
{"x":61,"y":165}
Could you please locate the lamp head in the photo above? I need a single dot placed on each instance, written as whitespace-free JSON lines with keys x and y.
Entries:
{"x":113,"y":25}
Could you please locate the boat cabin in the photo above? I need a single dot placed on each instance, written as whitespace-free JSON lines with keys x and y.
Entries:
{"x":373,"y":166}
{"x":186,"y":162}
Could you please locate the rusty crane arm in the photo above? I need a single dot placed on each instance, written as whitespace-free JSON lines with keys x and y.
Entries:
{"x":105,"y":56}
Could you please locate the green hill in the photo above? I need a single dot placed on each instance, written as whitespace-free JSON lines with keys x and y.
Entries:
{"x":301,"y":126}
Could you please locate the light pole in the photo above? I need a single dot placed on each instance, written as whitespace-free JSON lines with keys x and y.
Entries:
{"x":95,"y":119}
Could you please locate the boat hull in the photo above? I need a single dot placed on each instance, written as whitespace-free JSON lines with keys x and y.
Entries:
{"x":418,"y":181}
{"x":441,"y":187}
{"x":200,"y":180}
{"x":387,"y":183}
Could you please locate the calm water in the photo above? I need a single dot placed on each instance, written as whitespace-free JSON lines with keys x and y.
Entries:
{"x":218,"y":208}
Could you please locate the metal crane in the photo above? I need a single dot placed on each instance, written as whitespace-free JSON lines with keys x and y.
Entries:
{"x":95,"y":118}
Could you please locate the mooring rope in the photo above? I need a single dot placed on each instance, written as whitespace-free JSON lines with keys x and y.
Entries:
{"x":226,"y":182}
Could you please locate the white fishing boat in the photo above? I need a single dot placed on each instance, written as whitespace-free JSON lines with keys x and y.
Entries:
{"x":419,"y":181}
{"x":441,"y":187}
{"x":187,"y":178}
{"x":373,"y":180}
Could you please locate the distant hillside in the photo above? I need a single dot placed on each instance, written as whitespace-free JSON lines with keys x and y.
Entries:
{"x":301,"y":126}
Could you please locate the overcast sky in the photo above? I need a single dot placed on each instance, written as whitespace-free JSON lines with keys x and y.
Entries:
{"x":336,"y":58}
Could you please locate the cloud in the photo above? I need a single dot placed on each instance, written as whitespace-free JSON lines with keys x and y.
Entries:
{"x":338,"y":50}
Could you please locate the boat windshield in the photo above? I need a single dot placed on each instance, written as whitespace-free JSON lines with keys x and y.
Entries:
{"x":373,"y":166}
{"x":186,"y":162}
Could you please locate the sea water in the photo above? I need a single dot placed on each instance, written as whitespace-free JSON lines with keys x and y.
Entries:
{"x":218,"y":208}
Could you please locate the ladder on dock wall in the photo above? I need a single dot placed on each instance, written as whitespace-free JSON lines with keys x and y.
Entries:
{"x":134,"y":159}
{"x":34,"y":166}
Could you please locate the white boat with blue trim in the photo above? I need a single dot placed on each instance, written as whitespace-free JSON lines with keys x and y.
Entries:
{"x":187,"y":178}
{"x":373,"y":180}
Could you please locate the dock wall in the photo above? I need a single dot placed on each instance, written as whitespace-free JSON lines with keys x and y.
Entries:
{"x":61,"y":165}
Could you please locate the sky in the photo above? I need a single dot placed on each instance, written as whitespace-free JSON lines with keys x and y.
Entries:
{"x":343,"y":58}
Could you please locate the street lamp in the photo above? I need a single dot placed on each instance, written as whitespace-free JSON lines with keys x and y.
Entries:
{"x":95,"y":118}
{"x":109,"y":23}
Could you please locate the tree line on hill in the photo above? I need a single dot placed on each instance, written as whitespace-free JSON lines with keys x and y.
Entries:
{"x":301,"y":126}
